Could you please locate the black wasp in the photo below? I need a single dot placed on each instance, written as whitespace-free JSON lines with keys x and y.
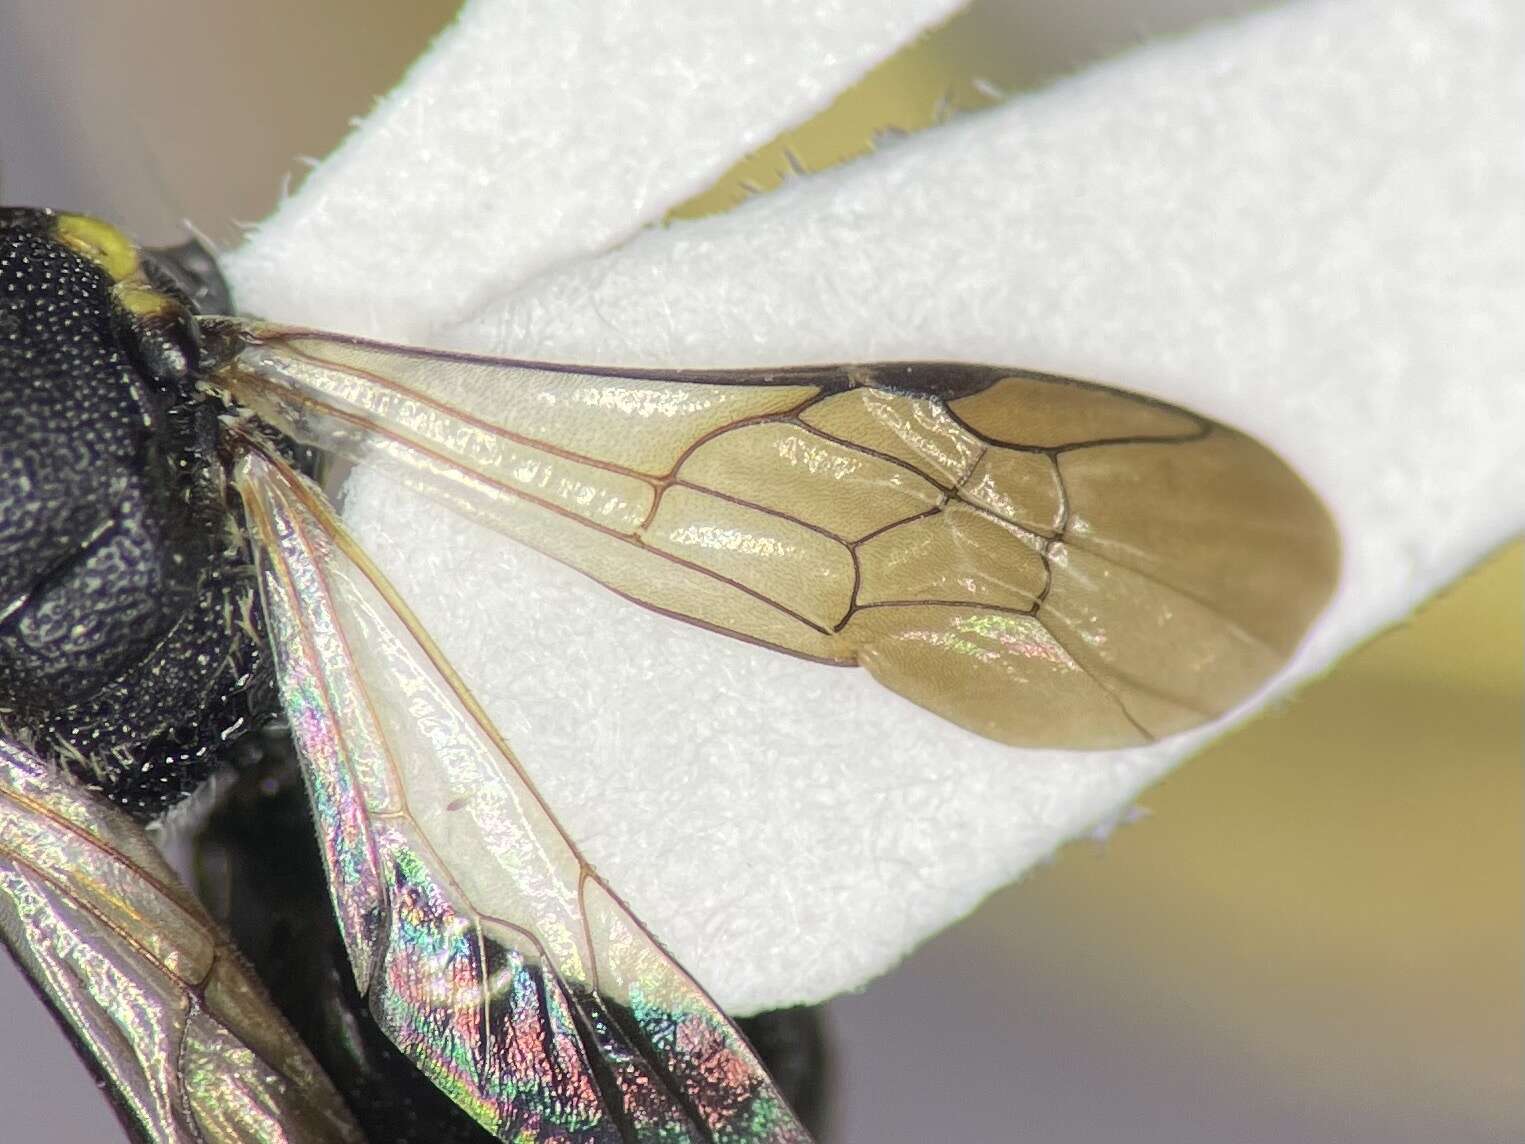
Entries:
{"x":1041,"y":560}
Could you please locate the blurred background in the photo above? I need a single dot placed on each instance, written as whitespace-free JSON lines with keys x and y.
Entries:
{"x":1315,"y":931}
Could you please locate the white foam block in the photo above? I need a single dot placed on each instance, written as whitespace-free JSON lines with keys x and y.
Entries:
{"x":534,"y":133}
{"x":1307,"y":224}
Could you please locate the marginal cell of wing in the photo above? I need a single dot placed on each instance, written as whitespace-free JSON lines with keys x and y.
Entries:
{"x":1049,"y":412}
{"x":1189,"y":571}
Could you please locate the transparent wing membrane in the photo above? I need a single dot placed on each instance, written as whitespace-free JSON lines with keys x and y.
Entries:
{"x":162,"y":1007}
{"x":489,"y":950}
{"x":1043,"y":561}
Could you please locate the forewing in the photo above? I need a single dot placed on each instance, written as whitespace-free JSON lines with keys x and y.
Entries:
{"x":490,"y":951}
{"x":162,"y":1007}
{"x":1044,"y":561}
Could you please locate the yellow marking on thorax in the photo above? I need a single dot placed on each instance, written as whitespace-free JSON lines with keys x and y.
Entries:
{"x":100,"y":242}
{"x":117,"y":255}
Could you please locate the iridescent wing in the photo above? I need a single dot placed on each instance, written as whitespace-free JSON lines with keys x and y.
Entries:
{"x":157,"y":1001}
{"x":1041,"y":560}
{"x":489,"y":950}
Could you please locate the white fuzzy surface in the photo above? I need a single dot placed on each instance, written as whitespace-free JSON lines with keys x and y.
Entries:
{"x":1307,"y":224}
{"x":535,"y":133}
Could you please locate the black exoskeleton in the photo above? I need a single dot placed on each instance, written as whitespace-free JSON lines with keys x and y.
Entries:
{"x":130,"y":641}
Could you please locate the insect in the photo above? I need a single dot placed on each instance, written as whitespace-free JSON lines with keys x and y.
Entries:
{"x":1041,"y":560}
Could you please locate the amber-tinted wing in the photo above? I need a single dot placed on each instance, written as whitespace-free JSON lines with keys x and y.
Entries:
{"x":166,"y":1014}
{"x":1044,"y":561}
{"x":490,"y":952}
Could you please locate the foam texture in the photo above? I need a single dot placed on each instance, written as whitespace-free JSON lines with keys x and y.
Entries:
{"x":531,"y":134}
{"x":1307,"y":223}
